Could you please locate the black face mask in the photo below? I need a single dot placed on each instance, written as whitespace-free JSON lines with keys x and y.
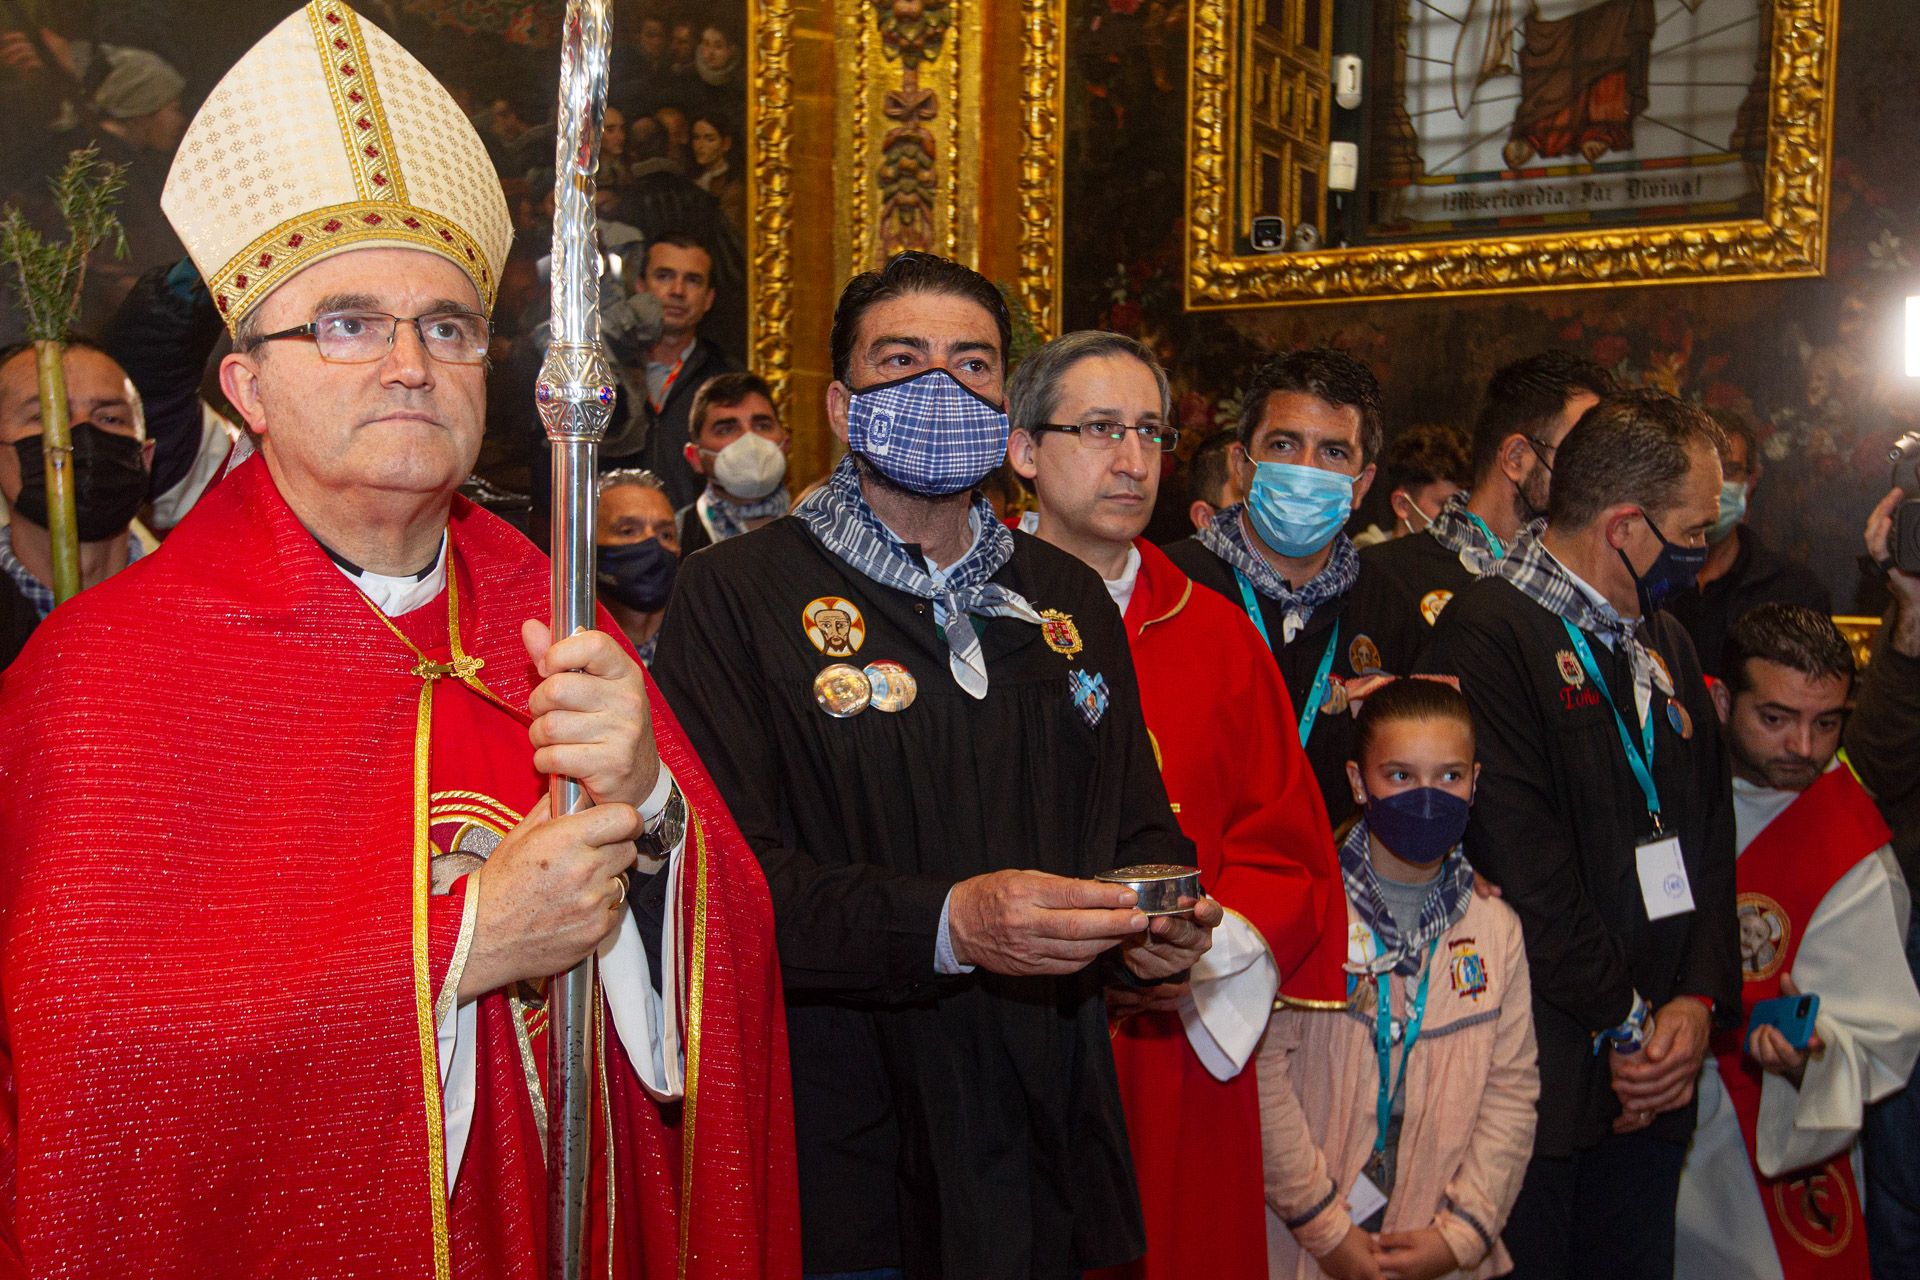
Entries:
{"x":109,"y":481}
{"x":638,"y":575}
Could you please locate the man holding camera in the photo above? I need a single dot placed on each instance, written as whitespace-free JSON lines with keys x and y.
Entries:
{"x":1881,"y":736}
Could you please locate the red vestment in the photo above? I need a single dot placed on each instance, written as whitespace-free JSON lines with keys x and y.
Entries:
{"x":1782,"y":877}
{"x":1242,"y":789}
{"x":219,"y":957}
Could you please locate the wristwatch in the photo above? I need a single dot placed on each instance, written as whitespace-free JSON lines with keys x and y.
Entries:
{"x":664,"y":834}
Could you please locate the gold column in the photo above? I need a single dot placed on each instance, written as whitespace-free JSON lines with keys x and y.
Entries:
{"x":914,"y":124}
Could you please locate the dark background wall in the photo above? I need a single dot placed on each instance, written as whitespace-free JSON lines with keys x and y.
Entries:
{"x":1815,"y":363}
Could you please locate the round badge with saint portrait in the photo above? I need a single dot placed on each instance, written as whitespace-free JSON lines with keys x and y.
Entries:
{"x":835,"y":626}
{"x":893,"y":686}
{"x":842,"y":691}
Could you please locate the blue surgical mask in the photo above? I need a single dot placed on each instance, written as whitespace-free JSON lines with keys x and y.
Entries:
{"x":1298,"y":510}
{"x":1420,"y":826}
{"x":1674,"y":570}
{"x":1733,"y":509}
{"x":930,"y":434}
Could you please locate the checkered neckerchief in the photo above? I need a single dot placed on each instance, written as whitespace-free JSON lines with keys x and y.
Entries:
{"x":1446,"y":902}
{"x":838,"y":515}
{"x":1458,"y":533}
{"x":1546,"y":582}
{"x":38,"y":594}
{"x":725,"y":519}
{"x":1226,"y":537}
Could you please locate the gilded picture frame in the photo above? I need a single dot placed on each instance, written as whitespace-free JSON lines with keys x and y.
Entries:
{"x":770,"y":195}
{"x":1777,"y":229}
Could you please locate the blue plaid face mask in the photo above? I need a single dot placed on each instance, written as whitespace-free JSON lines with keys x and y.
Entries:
{"x":929,"y":433}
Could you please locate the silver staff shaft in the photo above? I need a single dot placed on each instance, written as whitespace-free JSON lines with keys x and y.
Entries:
{"x":575,"y":400}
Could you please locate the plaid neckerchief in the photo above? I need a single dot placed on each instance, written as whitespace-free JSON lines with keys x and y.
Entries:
{"x":1226,"y":537}
{"x":1446,"y":902}
{"x":1460,"y":534}
{"x":1533,"y":571}
{"x":38,"y":594}
{"x":838,"y":515}
{"x":725,"y":519}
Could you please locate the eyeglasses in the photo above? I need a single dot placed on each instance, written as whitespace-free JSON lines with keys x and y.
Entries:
{"x":1543,"y":451}
{"x":361,"y":337}
{"x":1155,"y":437}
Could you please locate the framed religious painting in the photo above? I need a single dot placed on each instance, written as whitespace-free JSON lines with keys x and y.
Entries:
{"x":1342,"y":149}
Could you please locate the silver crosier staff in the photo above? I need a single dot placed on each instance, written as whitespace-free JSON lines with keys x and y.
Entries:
{"x":575,"y":400}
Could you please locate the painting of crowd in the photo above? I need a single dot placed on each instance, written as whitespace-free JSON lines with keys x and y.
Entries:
{"x":125,"y":76}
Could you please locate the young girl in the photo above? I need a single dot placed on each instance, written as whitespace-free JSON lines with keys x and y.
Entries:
{"x":1395,"y":1140}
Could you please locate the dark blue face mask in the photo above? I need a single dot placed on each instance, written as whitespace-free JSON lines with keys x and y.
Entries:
{"x":1674,"y":570}
{"x":638,"y":575}
{"x":1418,"y":826}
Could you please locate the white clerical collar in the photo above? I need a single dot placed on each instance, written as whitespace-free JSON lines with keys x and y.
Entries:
{"x":397,"y":596}
{"x":1121,"y":588}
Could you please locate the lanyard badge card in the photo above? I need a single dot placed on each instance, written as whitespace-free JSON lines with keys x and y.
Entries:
{"x":1664,"y":889}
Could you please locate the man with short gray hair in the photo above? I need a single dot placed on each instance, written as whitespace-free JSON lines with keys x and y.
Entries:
{"x":1090,"y":427}
{"x":1604,"y":816}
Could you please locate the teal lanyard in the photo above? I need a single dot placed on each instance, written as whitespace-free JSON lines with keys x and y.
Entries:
{"x":1383,"y":1040}
{"x":1318,"y":692}
{"x":1499,"y":552}
{"x":1640,"y":762}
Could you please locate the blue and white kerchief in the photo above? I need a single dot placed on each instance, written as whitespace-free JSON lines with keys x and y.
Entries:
{"x":1226,"y":537}
{"x":838,"y":515}
{"x":1446,"y":902}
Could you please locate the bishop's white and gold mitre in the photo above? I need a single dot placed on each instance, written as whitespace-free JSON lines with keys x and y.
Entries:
{"x":329,"y":136}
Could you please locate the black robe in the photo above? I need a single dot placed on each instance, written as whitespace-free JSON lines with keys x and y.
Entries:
{"x":1420,"y":567}
{"x":1556,"y":820}
{"x":957,"y":1126}
{"x":1379,"y":629}
{"x":1757,"y":576}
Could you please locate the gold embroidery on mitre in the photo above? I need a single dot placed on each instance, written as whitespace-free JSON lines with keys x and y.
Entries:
{"x":356,"y":101}
{"x":300,"y":241}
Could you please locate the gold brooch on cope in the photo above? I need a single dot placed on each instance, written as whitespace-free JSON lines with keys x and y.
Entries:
{"x":1570,"y":668}
{"x":1337,"y":700}
{"x":1057,"y":629}
{"x":892,"y":685}
{"x":1432,"y":603}
{"x":842,"y":691}
{"x":834,"y":626}
{"x":1363,"y":656}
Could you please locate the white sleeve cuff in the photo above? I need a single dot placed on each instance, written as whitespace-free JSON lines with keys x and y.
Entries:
{"x":1230,"y":997}
{"x":656,"y":802}
{"x":648,"y":1022}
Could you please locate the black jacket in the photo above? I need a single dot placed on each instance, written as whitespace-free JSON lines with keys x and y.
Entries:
{"x":666,"y":449}
{"x":1426,"y":574}
{"x":1882,"y":735}
{"x":1758,"y":576}
{"x":1379,"y":628}
{"x":959,"y":1125}
{"x":162,"y":335}
{"x":18,"y":618}
{"x":1556,"y":822}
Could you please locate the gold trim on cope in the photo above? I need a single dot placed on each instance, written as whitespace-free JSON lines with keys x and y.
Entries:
{"x":1788,"y":239}
{"x":423,"y":984}
{"x":696,"y":1003}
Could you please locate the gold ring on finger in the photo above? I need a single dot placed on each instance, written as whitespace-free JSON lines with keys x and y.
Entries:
{"x":620,"y":883}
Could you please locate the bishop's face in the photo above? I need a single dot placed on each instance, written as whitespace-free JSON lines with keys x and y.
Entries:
{"x":404,"y":424}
